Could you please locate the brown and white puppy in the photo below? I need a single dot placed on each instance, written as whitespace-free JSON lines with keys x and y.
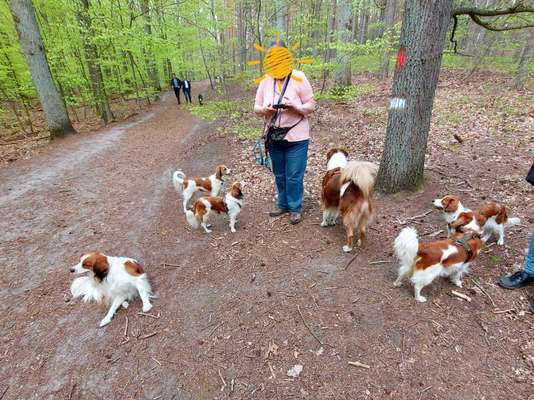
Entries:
{"x":113,"y":280}
{"x":349,"y":191}
{"x":189,"y":186}
{"x":336,"y":158}
{"x":424,"y":262}
{"x":490,"y":219}
{"x":231,"y":204}
{"x":452,"y":207}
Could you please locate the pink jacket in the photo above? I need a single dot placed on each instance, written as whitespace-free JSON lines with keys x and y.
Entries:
{"x":299,"y":92}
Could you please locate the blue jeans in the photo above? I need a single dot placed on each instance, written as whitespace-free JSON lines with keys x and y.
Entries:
{"x":289,"y":160}
{"x":529,"y":259}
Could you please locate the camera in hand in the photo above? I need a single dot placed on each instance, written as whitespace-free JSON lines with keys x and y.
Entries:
{"x":279,"y":106}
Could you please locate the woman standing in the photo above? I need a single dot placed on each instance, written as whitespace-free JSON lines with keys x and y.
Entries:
{"x":286,"y":103}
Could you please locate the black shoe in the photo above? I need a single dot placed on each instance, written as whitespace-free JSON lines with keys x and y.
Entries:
{"x":514,"y":281}
{"x":532,"y":305}
{"x":278,"y":212}
{"x":295,"y":218}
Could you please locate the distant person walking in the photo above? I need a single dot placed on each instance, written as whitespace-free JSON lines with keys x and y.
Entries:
{"x":186,"y":86}
{"x":176,"y":84}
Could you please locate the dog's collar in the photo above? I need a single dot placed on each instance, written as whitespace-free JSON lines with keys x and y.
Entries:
{"x":463,"y":242}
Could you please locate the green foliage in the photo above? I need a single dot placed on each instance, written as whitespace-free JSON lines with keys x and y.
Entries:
{"x":238,"y":114}
{"x":348,"y":92}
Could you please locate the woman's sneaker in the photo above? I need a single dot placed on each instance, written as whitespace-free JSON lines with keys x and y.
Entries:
{"x":278,"y":212}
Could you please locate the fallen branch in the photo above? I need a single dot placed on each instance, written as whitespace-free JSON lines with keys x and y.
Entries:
{"x":503,"y":311}
{"x":156,"y":361}
{"x":418,"y":216}
{"x":222,"y":379}
{"x":359,"y":364}
{"x":148,"y":315}
{"x":461,"y":295}
{"x":483,"y":291}
{"x":171,"y":265}
{"x":350,"y":262}
{"x":309,"y":329}
{"x":380,"y":262}
{"x":126,"y":328}
{"x":147,"y":336}
{"x":432,"y":234}
{"x":214,"y":329}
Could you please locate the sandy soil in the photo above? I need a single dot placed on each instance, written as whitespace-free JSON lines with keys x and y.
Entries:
{"x":236,"y":311}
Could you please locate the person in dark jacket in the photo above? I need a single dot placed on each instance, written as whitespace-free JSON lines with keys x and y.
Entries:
{"x":186,"y":87}
{"x":176,"y":84}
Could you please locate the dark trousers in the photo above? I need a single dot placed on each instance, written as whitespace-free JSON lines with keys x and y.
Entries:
{"x":187,"y":95}
{"x":177,"y":93}
{"x":289,"y":161}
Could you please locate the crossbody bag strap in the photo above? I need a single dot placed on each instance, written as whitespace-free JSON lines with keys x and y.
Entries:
{"x":278,"y":112}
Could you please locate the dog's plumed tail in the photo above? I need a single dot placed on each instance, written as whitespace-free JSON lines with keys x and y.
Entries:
{"x":513,"y":221}
{"x":87,"y":287}
{"x":406,"y":246}
{"x":178,"y":180}
{"x":192,"y":219}
{"x":362,"y":174}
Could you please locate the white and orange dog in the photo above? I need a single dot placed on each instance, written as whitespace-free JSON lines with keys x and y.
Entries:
{"x":231,"y":204}
{"x":424,"y":262}
{"x":112,"y":280}
{"x":188,"y":186}
{"x":492,"y":217}
{"x":347,"y":190}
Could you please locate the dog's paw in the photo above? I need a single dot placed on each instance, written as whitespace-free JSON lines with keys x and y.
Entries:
{"x":397,"y":283}
{"x":125,"y":304}
{"x":104,"y":322}
{"x":500,"y":242}
{"x":347,"y":249}
{"x":324,"y":223}
{"x":233,"y":230}
{"x":421,"y":299}
{"x":359,"y":242}
{"x":147,"y":308}
{"x":458,"y":283}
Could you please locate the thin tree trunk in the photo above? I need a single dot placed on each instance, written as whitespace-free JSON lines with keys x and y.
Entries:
{"x":524,"y":60}
{"x":149,"y":55}
{"x":342,"y":74}
{"x":91,"y":57}
{"x":34,"y":51}
{"x":389,"y":20}
{"x":422,"y":36}
{"x":364,"y":21}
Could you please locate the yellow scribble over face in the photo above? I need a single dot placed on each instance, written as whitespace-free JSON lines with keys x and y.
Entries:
{"x":279,"y":61}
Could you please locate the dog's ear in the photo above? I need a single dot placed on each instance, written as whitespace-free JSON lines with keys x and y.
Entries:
{"x":98,"y":263}
{"x":330,"y":153}
{"x":219,"y":171}
{"x":236,"y":190}
{"x":449,"y":203}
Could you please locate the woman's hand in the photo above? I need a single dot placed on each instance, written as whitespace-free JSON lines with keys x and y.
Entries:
{"x":269,"y":111}
{"x":293,"y":107}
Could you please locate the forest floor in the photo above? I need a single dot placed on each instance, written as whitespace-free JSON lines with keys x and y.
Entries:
{"x":235,"y":312}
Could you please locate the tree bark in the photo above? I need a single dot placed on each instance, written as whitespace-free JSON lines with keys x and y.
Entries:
{"x":389,"y":21}
{"x":524,"y":60}
{"x":149,"y":55}
{"x":342,"y":76}
{"x":364,"y":21}
{"x":92,"y":60}
{"x":422,"y":36}
{"x":34,"y":51}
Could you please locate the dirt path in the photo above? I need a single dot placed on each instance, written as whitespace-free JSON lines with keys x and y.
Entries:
{"x":228,"y":298}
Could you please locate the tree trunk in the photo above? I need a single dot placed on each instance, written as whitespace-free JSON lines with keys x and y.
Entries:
{"x":34,"y":51}
{"x":422,"y":37}
{"x":524,"y":60}
{"x":364,"y":21}
{"x":342,"y":75}
{"x":149,"y":55}
{"x":281,"y":18}
{"x":389,"y":20}
{"x":91,"y":57}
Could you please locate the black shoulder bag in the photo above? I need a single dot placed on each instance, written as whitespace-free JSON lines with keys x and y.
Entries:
{"x":276,"y":134}
{"x":530,"y":175}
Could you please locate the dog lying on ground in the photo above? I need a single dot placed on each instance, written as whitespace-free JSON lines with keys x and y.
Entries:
{"x":231,"y":204}
{"x":189,"y":186}
{"x":112,"y":280}
{"x":424,"y":262}
{"x":348,"y":191}
{"x":491,"y":217}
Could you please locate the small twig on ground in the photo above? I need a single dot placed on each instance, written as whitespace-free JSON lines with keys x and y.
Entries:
{"x":423,"y":391}
{"x":214,"y":329}
{"x":156,"y":361}
{"x":418,"y":216}
{"x":373,"y":291}
{"x":232,"y":385}
{"x":359,"y":364}
{"x":503,"y":311}
{"x":309,"y":329}
{"x":461,"y":295}
{"x":148,"y":315}
{"x":273,"y":375}
{"x":171,"y":265}
{"x":458,"y":138}
{"x":222,"y":379}
{"x":126,"y":328}
{"x":147,"y":336}
{"x":350,"y":262}
{"x":484,"y":291}
{"x":432,"y":234}
{"x":380,"y":262}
